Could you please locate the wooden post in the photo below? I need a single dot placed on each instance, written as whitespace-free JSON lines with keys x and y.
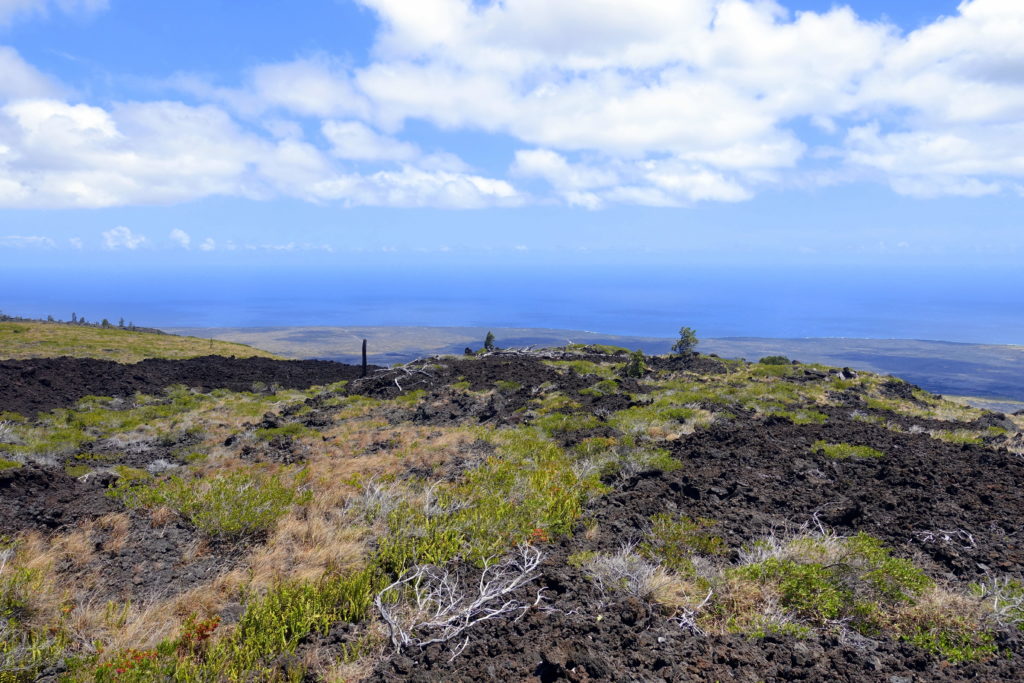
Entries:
{"x":364,"y":358}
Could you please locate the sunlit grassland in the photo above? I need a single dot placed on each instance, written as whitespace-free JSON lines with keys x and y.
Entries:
{"x":48,"y":340}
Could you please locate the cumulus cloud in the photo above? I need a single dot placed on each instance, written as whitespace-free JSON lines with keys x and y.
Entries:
{"x":646,"y":102}
{"x":966,"y":160}
{"x":209,"y":244}
{"x":183,"y":239}
{"x":56,"y":154}
{"x":713,"y":86}
{"x":26,"y":241}
{"x":355,"y":140}
{"x":122,"y":238}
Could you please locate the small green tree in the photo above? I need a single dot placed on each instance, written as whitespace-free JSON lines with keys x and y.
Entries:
{"x":686,"y":342}
{"x":636,"y":366}
{"x":489,"y":341}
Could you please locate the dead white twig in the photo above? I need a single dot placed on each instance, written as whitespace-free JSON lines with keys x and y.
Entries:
{"x":1005,"y":599}
{"x":441,"y":609}
{"x":686,"y":617}
{"x":959,"y":538}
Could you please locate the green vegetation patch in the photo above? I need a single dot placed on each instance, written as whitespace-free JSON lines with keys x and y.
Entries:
{"x":598,"y":348}
{"x":958,"y":436}
{"x":825,"y":578}
{"x":528,"y":489}
{"x":233,"y":505}
{"x":673,"y":540}
{"x":561,"y":423}
{"x":843,"y":451}
{"x":586,"y":367}
{"x":606,"y":387}
{"x":292,"y":430}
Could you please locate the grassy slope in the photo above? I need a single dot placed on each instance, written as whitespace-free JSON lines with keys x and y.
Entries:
{"x":42,"y":340}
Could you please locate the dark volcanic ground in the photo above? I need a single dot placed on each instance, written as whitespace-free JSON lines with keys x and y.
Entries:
{"x":40,"y":384}
{"x":956,"y":509}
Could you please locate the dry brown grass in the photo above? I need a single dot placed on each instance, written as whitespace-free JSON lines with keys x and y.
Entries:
{"x":674,"y":591}
{"x":306,"y":545}
{"x":739,"y":603}
{"x":941,"y":609}
{"x":161,"y":516}
{"x":117,"y":525}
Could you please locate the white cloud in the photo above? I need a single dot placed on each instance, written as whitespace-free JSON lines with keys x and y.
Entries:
{"x":122,"y":238}
{"x":412,"y":187}
{"x":75,"y":242}
{"x":17,"y":9}
{"x":61,"y":155}
{"x":21,"y":79}
{"x":356,"y":141}
{"x":209,"y":244}
{"x":554,"y":168}
{"x":663,"y":182}
{"x":181,"y":237}
{"x":317,"y":86}
{"x":965,"y":160}
{"x":649,"y":102}
{"x":26,"y":241}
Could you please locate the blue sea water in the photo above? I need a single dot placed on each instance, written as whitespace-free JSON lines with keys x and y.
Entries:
{"x":968,"y":305}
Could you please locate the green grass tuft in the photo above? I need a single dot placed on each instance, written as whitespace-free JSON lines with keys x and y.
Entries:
{"x":843,"y":451}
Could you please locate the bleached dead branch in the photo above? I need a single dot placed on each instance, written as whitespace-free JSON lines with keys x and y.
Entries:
{"x":1004,"y":599}
{"x":686,"y":617}
{"x":432,"y":605}
{"x":7,"y":434}
{"x":957,"y":537}
{"x":625,"y":571}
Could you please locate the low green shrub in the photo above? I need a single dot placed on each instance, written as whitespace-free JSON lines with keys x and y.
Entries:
{"x":673,"y":540}
{"x":636,"y":366}
{"x":233,"y":505}
{"x":561,"y":423}
{"x":774,"y":360}
{"x":291,"y":430}
{"x":824,"y":578}
{"x":958,"y":436}
{"x":956,"y":640}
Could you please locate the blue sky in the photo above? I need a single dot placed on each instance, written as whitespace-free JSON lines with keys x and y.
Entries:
{"x":442,"y":131}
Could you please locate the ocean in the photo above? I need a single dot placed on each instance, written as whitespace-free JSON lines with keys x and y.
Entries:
{"x":966,"y":305}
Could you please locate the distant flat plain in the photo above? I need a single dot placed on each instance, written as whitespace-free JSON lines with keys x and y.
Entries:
{"x":988,"y":371}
